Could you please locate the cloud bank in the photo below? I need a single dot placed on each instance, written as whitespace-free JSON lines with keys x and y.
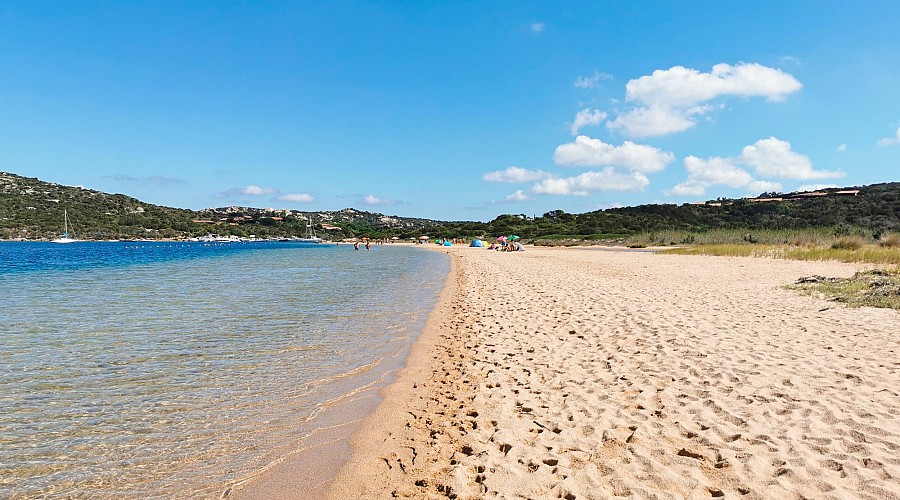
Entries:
{"x":665,"y":102}
{"x":772,"y":158}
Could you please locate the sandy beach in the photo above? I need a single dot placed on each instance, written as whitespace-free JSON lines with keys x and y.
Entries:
{"x":591,"y":373}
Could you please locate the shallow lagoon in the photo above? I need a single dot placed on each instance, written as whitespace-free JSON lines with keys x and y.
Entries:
{"x":173,"y":369}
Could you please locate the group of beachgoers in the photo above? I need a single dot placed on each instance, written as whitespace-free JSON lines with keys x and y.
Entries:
{"x":503,"y":243}
{"x":507,"y":246}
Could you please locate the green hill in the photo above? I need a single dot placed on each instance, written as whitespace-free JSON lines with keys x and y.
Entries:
{"x":873,"y":209}
{"x":33,"y":209}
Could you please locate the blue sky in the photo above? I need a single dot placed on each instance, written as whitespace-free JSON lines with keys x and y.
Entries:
{"x":449,"y":110}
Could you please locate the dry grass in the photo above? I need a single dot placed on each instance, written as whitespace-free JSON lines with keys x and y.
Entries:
{"x":722,"y":250}
{"x":890,"y":240}
{"x":869,"y":254}
{"x":796,"y":237}
{"x":848,"y":243}
{"x":876,"y":288}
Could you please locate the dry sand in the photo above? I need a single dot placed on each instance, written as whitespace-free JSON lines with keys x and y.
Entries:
{"x":579,"y":373}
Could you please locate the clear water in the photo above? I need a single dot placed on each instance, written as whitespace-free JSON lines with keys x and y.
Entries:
{"x":147,"y":370}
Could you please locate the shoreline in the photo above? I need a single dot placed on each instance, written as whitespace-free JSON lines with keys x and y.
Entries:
{"x":330,"y":445}
{"x":569,"y":374}
{"x":381,"y":437}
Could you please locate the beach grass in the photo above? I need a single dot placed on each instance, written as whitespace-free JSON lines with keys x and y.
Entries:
{"x":864,"y":253}
{"x":810,"y":236}
{"x":875,"y":288}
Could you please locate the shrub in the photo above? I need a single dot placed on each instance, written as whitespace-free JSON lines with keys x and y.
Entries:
{"x":848,"y":243}
{"x":891,"y":240}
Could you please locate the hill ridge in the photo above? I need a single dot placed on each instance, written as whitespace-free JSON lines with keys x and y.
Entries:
{"x":32,"y":209}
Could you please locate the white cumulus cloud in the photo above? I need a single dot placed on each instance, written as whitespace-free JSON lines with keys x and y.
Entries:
{"x":518,"y":196}
{"x":588,"y":152}
{"x":591,"y":182}
{"x":587,"y":117}
{"x":515,"y":174}
{"x":773,"y":157}
{"x":375,"y":200}
{"x":653,"y":121}
{"x":669,"y":100}
{"x":257,"y":191}
{"x":298,"y":197}
{"x":770,"y":158}
{"x":537,"y":27}
{"x":684,"y":87}
{"x":703,"y":173}
{"x":890,"y":141}
{"x":842,"y":148}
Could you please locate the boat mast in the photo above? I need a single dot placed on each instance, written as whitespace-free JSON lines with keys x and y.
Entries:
{"x":310,"y":232}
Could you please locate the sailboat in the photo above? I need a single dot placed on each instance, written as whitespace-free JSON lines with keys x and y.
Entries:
{"x":65,"y":238}
{"x":310,"y":233}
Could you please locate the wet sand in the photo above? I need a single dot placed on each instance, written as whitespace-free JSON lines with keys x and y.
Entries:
{"x":576,"y":373}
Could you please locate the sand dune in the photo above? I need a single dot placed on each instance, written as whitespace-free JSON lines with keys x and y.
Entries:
{"x":579,"y":373}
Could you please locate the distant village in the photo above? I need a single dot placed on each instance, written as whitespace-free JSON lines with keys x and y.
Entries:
{"x":776,"y":197}
{"x":235,"y":216}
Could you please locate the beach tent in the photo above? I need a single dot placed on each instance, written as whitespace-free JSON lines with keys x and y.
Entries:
{"x":476,"y":243}
{"x":447,"y":243}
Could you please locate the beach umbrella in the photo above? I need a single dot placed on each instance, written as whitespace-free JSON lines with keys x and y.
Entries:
{"x":513,"y":237}
{"x":395,"y":238}
{"x":423,"y":237}
{"x":501,"y":238}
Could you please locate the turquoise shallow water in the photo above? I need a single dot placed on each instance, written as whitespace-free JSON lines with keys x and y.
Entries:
{"x":169,"y":369}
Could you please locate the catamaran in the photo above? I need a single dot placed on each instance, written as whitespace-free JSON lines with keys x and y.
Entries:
{"x":65,"y":238}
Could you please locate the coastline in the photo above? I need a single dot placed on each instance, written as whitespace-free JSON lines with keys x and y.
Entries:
{"x":577,"y":374}
{"x":386,"y":446}
{"x":308,"y":472}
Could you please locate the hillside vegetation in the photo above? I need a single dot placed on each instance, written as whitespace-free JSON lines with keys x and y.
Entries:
{"x":33,"y":209}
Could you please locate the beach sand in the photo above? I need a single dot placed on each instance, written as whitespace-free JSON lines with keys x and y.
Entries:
{"x":588,"y":373}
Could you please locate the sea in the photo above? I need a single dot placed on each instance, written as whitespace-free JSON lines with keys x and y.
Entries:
{"x":172,"y":370}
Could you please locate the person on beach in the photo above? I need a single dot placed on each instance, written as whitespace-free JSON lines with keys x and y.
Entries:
{"x":356,"y":245}
{"x":368,"y":245}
